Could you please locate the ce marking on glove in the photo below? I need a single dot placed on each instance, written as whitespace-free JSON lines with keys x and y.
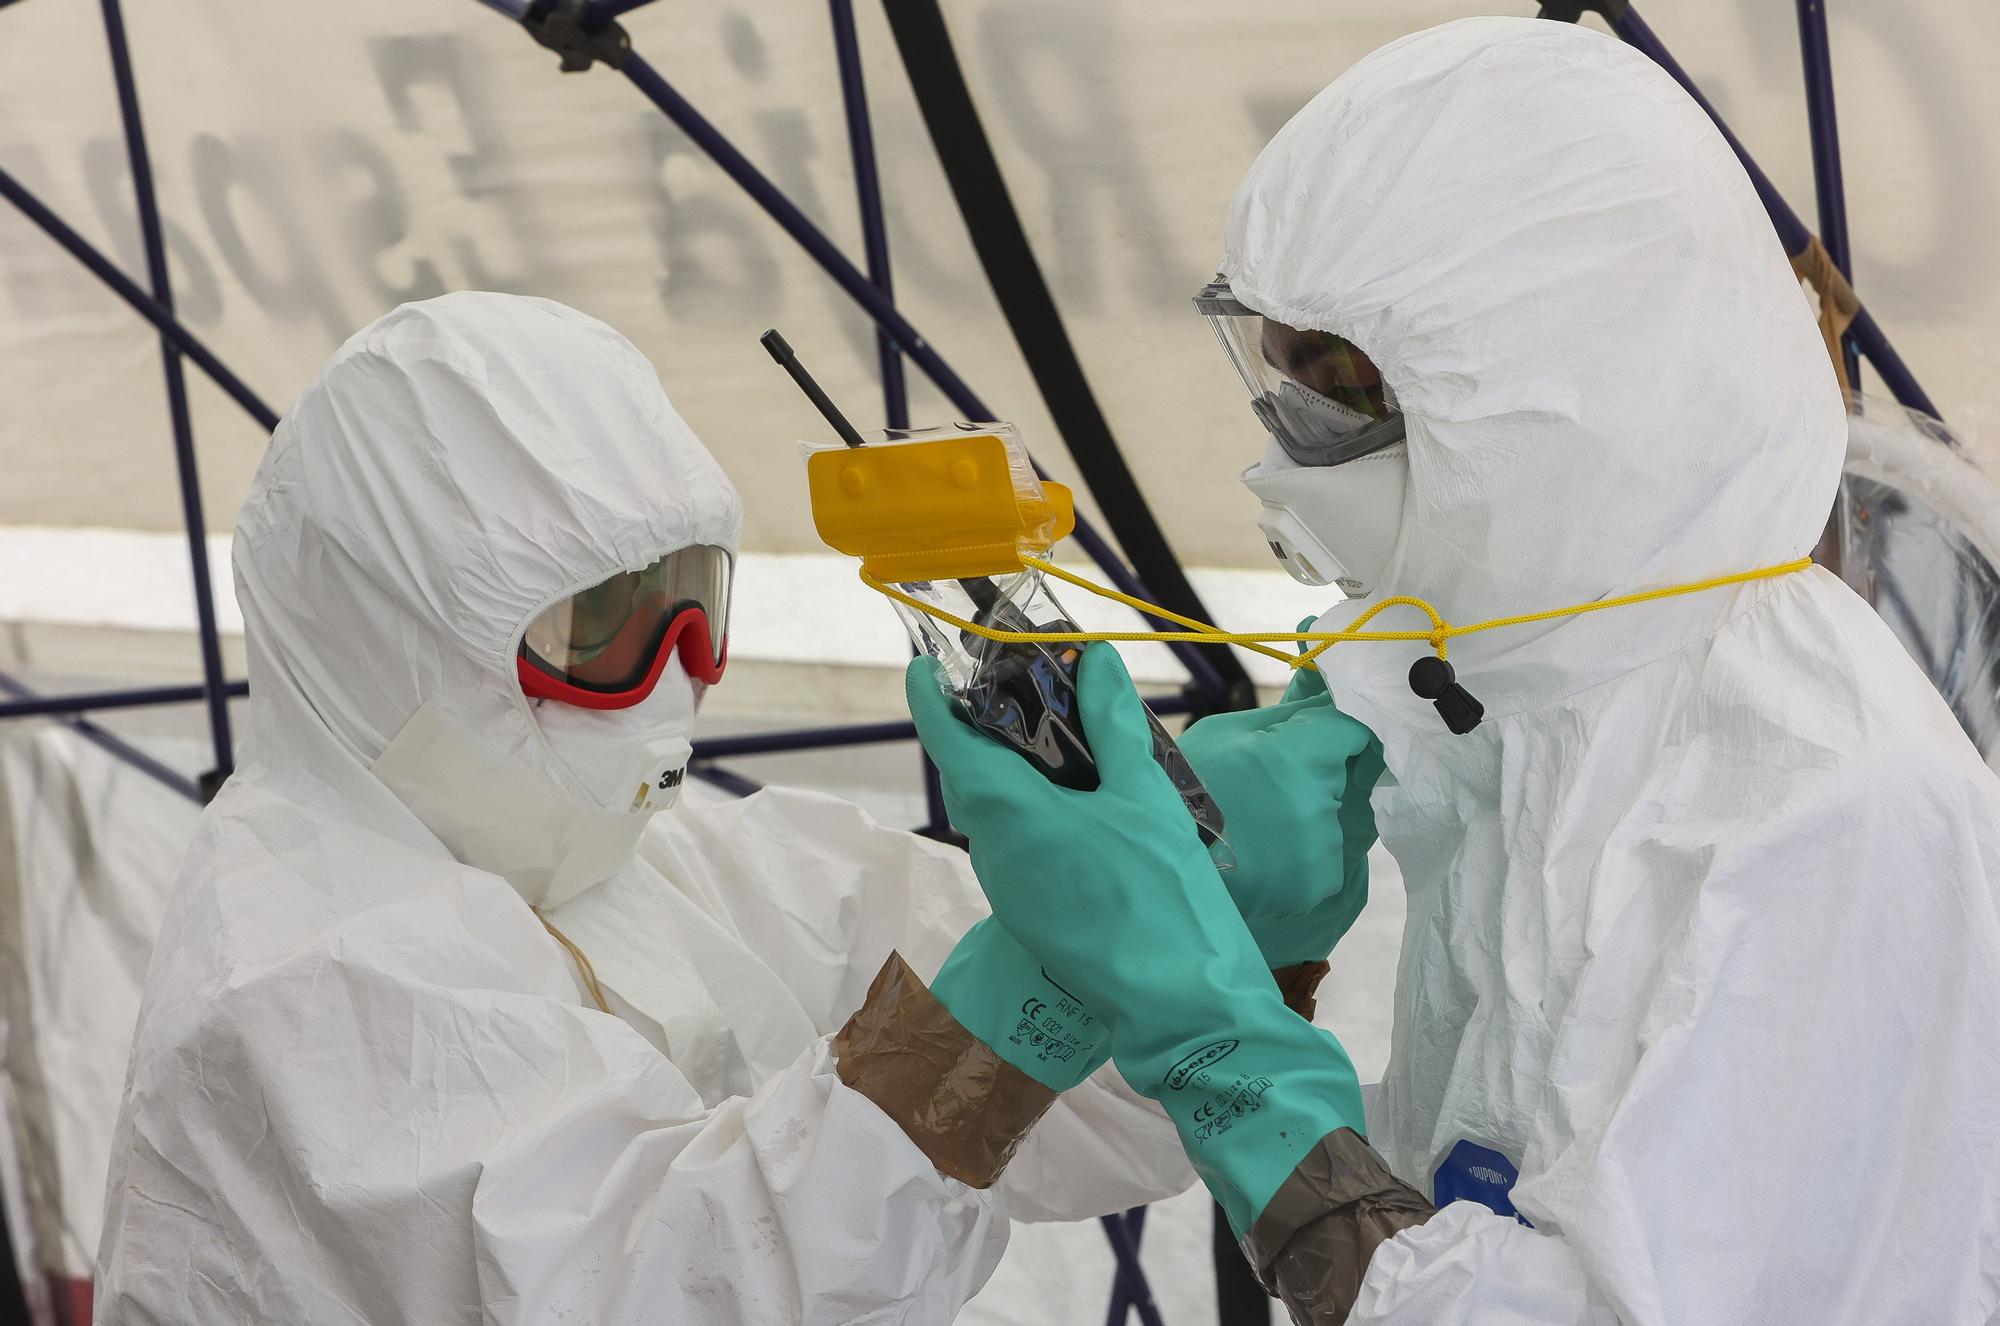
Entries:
{"x":1033,"y":1009}
{"x":1216,"y":1115}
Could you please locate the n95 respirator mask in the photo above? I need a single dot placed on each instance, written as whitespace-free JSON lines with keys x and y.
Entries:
{"x":1332,"y":524}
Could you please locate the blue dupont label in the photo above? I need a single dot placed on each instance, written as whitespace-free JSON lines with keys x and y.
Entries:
{"x":1473,"y":1173}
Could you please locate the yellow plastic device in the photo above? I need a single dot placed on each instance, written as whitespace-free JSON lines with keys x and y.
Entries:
{"x":940,"y":508}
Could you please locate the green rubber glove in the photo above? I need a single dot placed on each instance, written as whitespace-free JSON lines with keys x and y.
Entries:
{"x":1114,"y":893}
{"x":1293,"y":781}
{"x":998,"y":991}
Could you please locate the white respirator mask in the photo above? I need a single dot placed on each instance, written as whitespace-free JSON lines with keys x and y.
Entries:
{"x":1332,"y":524}
{"x":632,"y":759}
{"x":551,"y":833}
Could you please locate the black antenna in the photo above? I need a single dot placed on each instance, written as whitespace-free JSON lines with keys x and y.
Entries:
{"x":788,"y":361}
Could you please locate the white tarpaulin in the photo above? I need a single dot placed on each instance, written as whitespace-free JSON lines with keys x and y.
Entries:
{"x":318,"y":163}
{"x":89,"y":847}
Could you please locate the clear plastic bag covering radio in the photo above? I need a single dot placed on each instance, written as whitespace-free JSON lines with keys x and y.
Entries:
{"x":1021,"y":693}
{"x":1919,"y":538}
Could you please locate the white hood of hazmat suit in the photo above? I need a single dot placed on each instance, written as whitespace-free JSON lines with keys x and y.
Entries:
{"x":367,"y":1084}
{"x":1702,"y":925}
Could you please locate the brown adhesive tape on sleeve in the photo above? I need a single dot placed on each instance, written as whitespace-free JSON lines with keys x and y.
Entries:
{"x":963,"y":1105}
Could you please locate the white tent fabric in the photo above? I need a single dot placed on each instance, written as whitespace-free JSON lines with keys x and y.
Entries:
{"x":1704,"y":927}
{"x":89,"y":848}
{"x":318,"y":163}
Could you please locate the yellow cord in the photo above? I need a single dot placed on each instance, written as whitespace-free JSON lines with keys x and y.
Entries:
{"x":582,"y":962}
{"x":1439,"y":637}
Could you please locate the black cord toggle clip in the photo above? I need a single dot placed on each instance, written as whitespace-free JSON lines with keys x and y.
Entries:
{"x":1433,"y":679}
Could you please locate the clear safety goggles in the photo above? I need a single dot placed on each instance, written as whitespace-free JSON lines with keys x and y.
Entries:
{"x":605,"y":647}
{"x":1316,"y":393}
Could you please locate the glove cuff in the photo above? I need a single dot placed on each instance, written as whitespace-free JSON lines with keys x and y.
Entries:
{"x":1299,"y":984}
{"x":1311,"y":1246}
{"x":998,"y":991}
{"x":964,"y":1106}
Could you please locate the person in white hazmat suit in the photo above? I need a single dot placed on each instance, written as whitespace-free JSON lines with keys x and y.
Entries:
{"x":442,"y":1025}
{"x":1695,"y":1016}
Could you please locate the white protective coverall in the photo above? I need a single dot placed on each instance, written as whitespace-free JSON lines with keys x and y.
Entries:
{"x":367,"y":1085}
{"x":1702,"y":927}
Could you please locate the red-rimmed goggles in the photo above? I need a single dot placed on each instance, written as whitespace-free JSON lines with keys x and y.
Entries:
{"x":605,"y":647}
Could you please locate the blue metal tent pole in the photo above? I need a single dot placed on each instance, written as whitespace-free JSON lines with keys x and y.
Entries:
{"x":1829,"y":188}
{"x":51,"y":706}
{"x":797,"y":739}
{"x":1792,"y":232}
{"x":868,"y":192}
{"x":601,"y":12}
{"x":727,"y":779}
{"x":830,"y":259}
{"x":1830,"y":192}
{"x":1130,"y":1290}
{"x":177,"y":401}
{"x":1123,"y":1299}
{"x":1119,"y":1310}
{"x":145,"y":305}
{"x":875,"y":245}
{"x":774,"y":743}
{"x":112,"y":743}
{"x":1896,"y":375}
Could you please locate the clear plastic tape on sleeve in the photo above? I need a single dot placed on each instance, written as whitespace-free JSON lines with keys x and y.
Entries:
{"x":1919,"y":538}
